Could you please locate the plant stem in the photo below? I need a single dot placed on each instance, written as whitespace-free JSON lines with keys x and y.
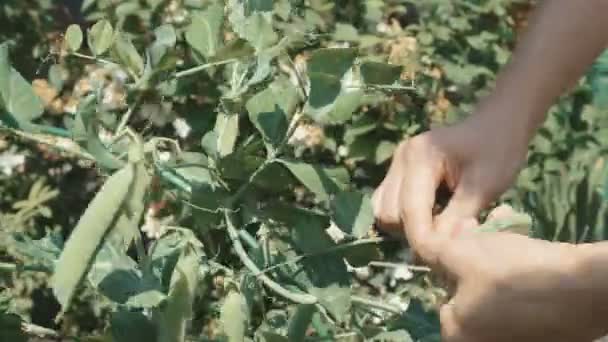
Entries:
{"x":127,"y":116}
{"x":7,"y":267}
{"x":200,"y":68}
{"x":58,"y":142}
{"x":93,"y":58}
{"x":334,"y":249}
{"x":396,"y":265}
{"x":240,"y":191}
{"x":376,"y":304}
{"x":253,"y":268}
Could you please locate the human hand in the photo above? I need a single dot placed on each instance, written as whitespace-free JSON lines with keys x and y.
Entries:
{"x":508,"y":287}
{"x":476,"y":159}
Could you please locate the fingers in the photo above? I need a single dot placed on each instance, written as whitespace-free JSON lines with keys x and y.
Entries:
{"x":451,"y":330}
{"x":464,"y":206}
{"x":385,"y":200}
{"x":422,"y":175}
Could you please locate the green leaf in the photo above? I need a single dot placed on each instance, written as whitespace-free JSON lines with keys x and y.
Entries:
{"x":346,"y":32}
{"x":333,"y":93}
{"x":178,"y":310}
{"x":324,"y":89}
{"x":342,"y":108}
{"x":166,"y":38}
{"x":234,"y":317}
{"x":375,"y":73}
{"x":16,"y":94}
{"x":352,"y":212}
{"x":236,"y":48}
{"x":43,"y":252}
{"x":252,"y":6}
{"x":259,"y":32}
{"x":270,"y":109}
{"x":84,"y":132}
{"x":132,"y":326}
{"x":115,"y":275}
{"x":127,"y":54}
{"x":255,"y":26}
{"x":203,"y":34}
{"x":417,"y":321}
{"x":332,"y":61}
{"x":73,"y":37}
{"x":209,"y":200}
{"x":100,"y":37}
{"x":323,"y":182}
{"x":82,"y":245}
{"x":227,"y":130}
{"x":384,"y":151}
{"x":11,"y":328}
{"x":299,"y":322}
{"x":324,"y":276}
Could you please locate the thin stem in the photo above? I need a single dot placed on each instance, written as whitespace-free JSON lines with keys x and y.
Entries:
{"x":253,"y":268}
{"x":93,"y":58}
{"x":325,"y":252}
{"x":240,"y":191}
{"x":60,"y":143}
{"x":124,"y":120}
{"x":396,"y":265}
{"x":376,"y":304}
{"x":299,"y":77}
{"x":7,"y":267}
{"x":200,"y":68}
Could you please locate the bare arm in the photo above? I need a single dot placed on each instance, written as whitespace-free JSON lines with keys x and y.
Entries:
{"x":563,"y":39}
{"x":508,"y":288}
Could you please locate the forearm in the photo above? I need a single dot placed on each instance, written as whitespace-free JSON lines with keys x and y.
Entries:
{"x":563,"y":39}
{"x":592,"y":271}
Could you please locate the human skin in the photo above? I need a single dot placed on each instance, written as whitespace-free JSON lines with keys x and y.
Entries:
{"x":506,"y":287}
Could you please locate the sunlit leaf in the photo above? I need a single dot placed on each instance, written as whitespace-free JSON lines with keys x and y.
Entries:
{"x":270,"y":110}
{"x":127,"y":53}
{"x":203,"y":34}
{"x":100,"y":37}
{"x":375,"y":73}
{"x":166,"y":38}
{"x":18,"y":97}
{"x":74,"y":37}
{"x":323,"y":182}
{"x":352,"y":212}
{"x":227,"y":131}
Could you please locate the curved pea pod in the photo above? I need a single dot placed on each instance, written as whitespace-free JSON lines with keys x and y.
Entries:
{"x":80,"y":250}
{"x":505,"y":219}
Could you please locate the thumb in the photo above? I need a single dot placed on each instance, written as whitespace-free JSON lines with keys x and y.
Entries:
{"x":464,"y":206}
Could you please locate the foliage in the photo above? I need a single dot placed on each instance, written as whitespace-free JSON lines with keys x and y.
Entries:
{"x":237,"y":144}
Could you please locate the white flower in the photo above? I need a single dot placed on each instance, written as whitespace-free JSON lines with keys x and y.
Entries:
{"x":335,"y":232}
{"x":10,"y":161}
{"x":152,"y":227}
{"x":182,"y":128}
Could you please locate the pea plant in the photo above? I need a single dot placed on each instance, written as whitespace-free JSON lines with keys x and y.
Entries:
{"x":239,"y":191}
{"x":229,"y":137}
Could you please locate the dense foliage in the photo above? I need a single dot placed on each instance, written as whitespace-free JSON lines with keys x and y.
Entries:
{"x":202,"y":170}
